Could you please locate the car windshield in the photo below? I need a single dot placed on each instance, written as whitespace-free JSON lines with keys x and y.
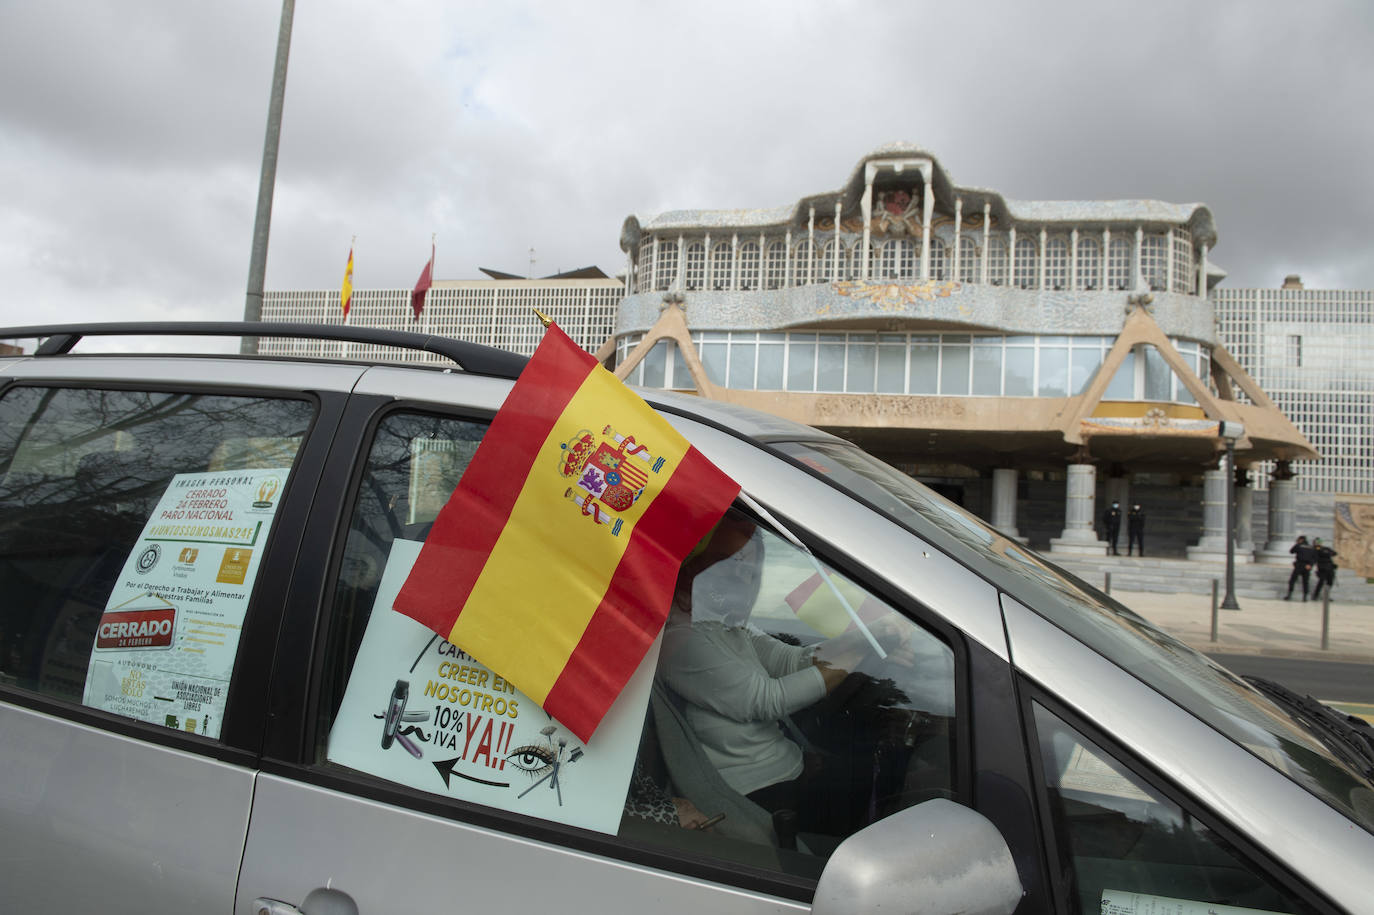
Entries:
{"x":1189,"y":678}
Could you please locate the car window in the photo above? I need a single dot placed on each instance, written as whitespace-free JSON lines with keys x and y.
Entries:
{"x":1186,"y":676}
{"x":791,"y":707}
{"x":132,"y":524}
{"x":764,"y":714}
{"x":1130,"y":849}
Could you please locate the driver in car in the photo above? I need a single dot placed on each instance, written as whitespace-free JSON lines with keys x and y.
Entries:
{"x":741,"y":684}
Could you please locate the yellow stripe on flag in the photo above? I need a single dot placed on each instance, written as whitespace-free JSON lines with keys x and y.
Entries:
{"x":542,"y":516}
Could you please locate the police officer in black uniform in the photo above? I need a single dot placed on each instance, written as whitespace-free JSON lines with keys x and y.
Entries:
{"x":1111,"y":520}
{"x":1326,"y":568}
{"x":1303,"y":558}
{"x":1135,"y":529}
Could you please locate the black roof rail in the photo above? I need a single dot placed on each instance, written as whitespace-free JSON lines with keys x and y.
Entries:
{"x":470,"y":357}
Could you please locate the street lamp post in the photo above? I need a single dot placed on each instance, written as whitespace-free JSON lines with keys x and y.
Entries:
{"x":262,"y":223}
{"x":1230,"y":432}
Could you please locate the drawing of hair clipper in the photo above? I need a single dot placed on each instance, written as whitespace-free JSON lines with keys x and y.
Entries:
{"x":395,"y":714}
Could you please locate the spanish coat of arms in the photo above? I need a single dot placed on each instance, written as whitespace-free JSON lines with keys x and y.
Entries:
{"x":608,"y":473}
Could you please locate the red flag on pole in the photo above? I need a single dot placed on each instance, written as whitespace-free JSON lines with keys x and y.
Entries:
{"x":417,"y":298}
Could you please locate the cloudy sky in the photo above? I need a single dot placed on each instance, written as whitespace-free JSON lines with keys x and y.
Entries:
{"x":131,"y":132}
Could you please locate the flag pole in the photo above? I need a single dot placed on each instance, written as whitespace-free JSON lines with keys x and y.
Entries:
{"x":543,"y":318}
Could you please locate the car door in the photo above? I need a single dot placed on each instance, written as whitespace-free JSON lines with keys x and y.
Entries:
{"x":147,"y":528}
{"x":386,"y":777}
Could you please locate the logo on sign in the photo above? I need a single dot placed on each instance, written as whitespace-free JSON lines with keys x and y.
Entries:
{"x":267,"y":491}
{"x":148,"y":558}
{"x":124,"y":629}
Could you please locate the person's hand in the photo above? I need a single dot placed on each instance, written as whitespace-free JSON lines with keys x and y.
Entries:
{"x":688,"y":815}
{"x":832,"y":675}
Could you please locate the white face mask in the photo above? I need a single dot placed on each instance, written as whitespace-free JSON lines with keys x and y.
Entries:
{"x":727,"y":590}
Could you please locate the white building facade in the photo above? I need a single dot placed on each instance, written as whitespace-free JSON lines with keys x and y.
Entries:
{"x":1312,"y":350}
{"x":497,"y":313}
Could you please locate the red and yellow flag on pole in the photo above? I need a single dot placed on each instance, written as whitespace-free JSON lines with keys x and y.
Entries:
{"x":554,"y":561}
{"x":346,"y":293}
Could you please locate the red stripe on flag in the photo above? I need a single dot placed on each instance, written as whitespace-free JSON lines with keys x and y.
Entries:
{"x":802,"y":592}
{"x":635,"y":604}
{"x":466,"y":530}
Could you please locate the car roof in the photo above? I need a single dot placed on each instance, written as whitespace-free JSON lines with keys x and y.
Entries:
{"x":755,"y":424}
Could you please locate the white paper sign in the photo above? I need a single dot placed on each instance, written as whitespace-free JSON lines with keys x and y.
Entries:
{"x":165,"y":647}
{"x":1119,"y":902}
{"x":423,"y":713}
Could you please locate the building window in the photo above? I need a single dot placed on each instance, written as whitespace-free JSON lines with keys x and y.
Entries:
{"x":1025,"y":274}
{"x":1089,"y":264}
{"x":898,"y":260}
{"x":667,"y":264}
{"x":749,"y":265}
{"x":696,"y":266}
{"x":856,"y":263}
{"x":776,"y":269}
{"x":721,"y":260}
{"x":1153,"y":257}
{"x":825,"y":270}
{"x":1119,"y":264}
{"x":939,"y":263}
{"x":644,"y":267}
{"x":1182,"y":241}
{"x":968,"y":260}
{"x":997,"y":262}
{"x":1294,"y":351}
{"x":801,"y":268}
{"x":1057,"y":263}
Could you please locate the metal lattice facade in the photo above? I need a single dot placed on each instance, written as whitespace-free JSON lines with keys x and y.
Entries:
{"x":1312,"y":351}
{"x":497,"y":313}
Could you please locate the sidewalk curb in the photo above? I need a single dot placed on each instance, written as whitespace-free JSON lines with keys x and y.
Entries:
{"x":1295,"y":654}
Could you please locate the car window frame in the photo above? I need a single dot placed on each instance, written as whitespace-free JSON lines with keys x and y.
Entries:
{"x":290,"y":748}
{"x":240,"y":740}
{"x":1032,"y":694}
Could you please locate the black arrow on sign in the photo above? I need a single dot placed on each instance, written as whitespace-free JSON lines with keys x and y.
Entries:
{"x":445,"y":768}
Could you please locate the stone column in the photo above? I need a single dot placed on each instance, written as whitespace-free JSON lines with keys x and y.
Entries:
{"x":1245,"y":513}
{"x":927,"y":210}
{"x":1080,"y":491}
{"x":866,"y":209}
{"x":1283,"y":503}
{"x":811,"y":249}
{"x":987,"y":230}
{"x":958,"y":226}
{"x":1212,"y":546}
{"x":1004,"y":502}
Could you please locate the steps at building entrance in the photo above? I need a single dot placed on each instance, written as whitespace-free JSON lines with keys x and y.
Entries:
{"x":1182,"y":576}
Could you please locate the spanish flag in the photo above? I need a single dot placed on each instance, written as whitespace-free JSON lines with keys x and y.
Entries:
{"x":346,"y":293}
{"x":554,"y":561}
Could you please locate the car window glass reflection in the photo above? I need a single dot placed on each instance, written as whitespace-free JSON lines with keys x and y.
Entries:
{"x":1123,"y":840}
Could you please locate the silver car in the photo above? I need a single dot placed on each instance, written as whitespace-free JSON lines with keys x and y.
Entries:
{"x":207,"y":703}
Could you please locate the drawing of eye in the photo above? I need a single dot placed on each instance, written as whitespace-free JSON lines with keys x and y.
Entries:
{"x":532,"y":759}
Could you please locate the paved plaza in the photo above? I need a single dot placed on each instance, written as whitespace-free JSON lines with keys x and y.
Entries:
{"x":1261,"y":626}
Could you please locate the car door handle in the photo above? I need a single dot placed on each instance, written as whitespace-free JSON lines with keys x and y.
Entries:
{"x":319,"y":901}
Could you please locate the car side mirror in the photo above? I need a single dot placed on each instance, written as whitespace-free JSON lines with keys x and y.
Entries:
{"x":937,"y":858}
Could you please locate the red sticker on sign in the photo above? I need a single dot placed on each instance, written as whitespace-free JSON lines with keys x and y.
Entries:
{"x":137,"y":629}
